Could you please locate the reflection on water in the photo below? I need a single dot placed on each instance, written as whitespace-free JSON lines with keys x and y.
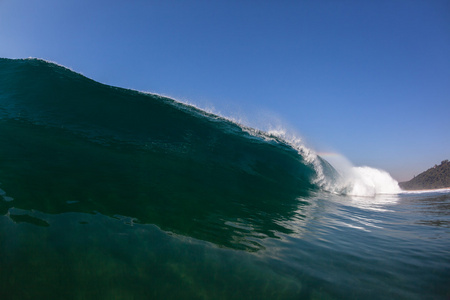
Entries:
{"x":432,"y":210}
{"x":326,"y":246}
{"x":380,"y":202}
{"x":232,"y":203}
{"x":86,"y":256}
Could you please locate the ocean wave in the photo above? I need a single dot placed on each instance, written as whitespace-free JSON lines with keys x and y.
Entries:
{"x":48,"y":95}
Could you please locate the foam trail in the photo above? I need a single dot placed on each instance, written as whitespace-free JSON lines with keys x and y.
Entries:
{"x":431,"y":191}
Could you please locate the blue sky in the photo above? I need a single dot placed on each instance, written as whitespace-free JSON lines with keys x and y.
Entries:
{"x":367,"y":79}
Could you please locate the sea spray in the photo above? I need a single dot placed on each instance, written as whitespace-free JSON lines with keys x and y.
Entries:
{"x":361,"y":180}
{"x":350,"y":180}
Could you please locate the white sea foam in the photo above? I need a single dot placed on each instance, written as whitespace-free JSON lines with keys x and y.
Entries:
{"x":355,"y":181}
{"x":366,"y":181}
{"x":361,"y":181}
{"x":433,"y":191}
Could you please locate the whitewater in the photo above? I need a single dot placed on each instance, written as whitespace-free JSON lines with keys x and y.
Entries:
{"x":110,"y":193}
{"x":349,"y":180}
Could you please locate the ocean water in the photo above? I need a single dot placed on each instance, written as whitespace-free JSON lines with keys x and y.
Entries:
{"x":108,"y":193}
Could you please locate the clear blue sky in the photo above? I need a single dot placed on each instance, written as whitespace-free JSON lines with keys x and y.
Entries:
{"x":367,"y":79}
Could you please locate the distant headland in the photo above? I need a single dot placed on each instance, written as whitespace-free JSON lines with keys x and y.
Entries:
{"x":436,"y":177}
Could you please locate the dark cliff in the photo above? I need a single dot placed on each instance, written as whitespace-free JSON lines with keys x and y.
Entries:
{"x":434,"y":178}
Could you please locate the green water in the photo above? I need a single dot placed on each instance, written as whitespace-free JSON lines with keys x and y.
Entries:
{"x":107,"y":193}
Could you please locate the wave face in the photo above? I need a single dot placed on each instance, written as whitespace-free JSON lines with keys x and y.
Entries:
{"x":70,"y":143}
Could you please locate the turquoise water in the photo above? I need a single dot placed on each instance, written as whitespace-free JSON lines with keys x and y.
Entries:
{"x":110,"y":193}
